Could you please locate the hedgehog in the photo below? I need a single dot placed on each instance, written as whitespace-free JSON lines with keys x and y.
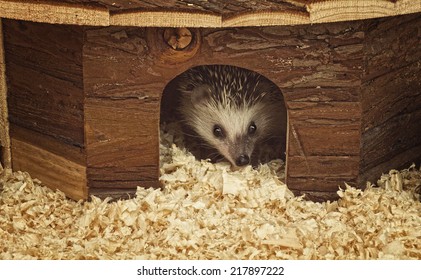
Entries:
{"x":232,"y":112}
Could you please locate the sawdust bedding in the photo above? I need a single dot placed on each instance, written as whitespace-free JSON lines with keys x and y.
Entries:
{"x":207,"y":211}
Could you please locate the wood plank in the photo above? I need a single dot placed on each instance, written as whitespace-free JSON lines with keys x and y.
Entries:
{"x":54,"y":171}
{"x":55,"y":12}
{"x":5,"y":156}
{"x":323,"y":166}
{"x":318,"y":196}
{"x":198,"y":13}
{"x":51,"y":100}
{"x":321,"y":94}
{"x":226,"y":9}
{"x":57,"y":51}
{"x":398,"y":161}
{"x":121,"y":111}
{"x":327,"y":140}
{"x":48,"y":143}
{"x":324,"y":112}
{"x":113,"y":193}
{"x":392,"y":52}
{"x":386,"y":141}
{"x":292,"y":57}
{"x":122,"y":142}
{"x":331,"y":11}
{"x":328,"y":186}
{"x":117,"y":64}
{"x":391,"y":95}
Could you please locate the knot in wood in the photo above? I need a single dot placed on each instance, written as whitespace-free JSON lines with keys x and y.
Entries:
{"x":178,"y":38}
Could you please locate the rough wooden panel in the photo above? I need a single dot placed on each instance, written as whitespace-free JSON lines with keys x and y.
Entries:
{"x":50,"y":144}
{"x":324,"y":112}
{"x":292,"y":57}
{"x":316,"y":167}
{"x":54,"y":12}
{"x":54,"y":171}
{"x":398,"y":161}
{"x":322,"y":139}
{"x":5,"y":156}
{"x":226,"y":7}
{"x":199,"y":13}
{"x":392,"y":43}
{"x":391,"y":96}
{"x":318,"y":196}
{"x":331,"y":11}
{"x":121,"y":111}
{"x":393,"y":144}
{"x":392,"y":93}
{"x":117,"y":64}
{"x":175,"y":13}
{"x":122,"y":143}
{"x":45,"y":90}
{"x":319,"y":94}
{"x":298,"y":57}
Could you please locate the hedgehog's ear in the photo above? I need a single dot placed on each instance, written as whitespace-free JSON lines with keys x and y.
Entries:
{"x":200,"y":94}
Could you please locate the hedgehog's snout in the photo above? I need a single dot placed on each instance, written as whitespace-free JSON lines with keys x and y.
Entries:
{"x":242,"y":160}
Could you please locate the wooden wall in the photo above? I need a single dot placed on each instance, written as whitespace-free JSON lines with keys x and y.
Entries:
{"x":391,"y":96}
{"x":46,"y":99}
{"x":121,"y":111}
{"x":84,"y":102}
{"x":93,"y":98}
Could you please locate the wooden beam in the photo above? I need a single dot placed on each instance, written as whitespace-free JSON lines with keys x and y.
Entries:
{"x":56,"y":12}
{"x":344,"y":10}
{"x":196,"y":13}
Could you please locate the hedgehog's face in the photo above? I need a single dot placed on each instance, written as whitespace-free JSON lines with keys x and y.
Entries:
{"x":234,"y":132}
{"x":235,"y":143}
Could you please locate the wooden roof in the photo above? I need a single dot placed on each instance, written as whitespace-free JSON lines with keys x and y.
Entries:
{"x":202,"y":13}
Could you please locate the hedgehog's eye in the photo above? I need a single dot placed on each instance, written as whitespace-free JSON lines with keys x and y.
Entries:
{"x":218,"y":131}
{"x":252,"y":128}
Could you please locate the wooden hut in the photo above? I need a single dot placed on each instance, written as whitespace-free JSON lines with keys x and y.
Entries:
{"x":83,"y":81}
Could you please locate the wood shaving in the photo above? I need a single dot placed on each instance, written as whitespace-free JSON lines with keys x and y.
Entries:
{"x":208,"y":211}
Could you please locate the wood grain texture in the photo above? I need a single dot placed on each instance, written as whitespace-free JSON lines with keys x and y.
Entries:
{"x":50,"y":144}
{"x":5,"y":155}
{"x":198,"y":13}
{"x":115,"y":62}
{"x":317,"y":196}
{"x":121,"y":111}
{"x":54,"y":171}
{"x":391,"y":96}
{"x":324,"y":139}
{"x":331,"y":11}
{"x":45,"y":89}
{"x":55,"y":12}
{"x":122,"y":143}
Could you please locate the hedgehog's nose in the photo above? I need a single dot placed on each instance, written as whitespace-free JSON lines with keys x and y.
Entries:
{"x":242,"y":160}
